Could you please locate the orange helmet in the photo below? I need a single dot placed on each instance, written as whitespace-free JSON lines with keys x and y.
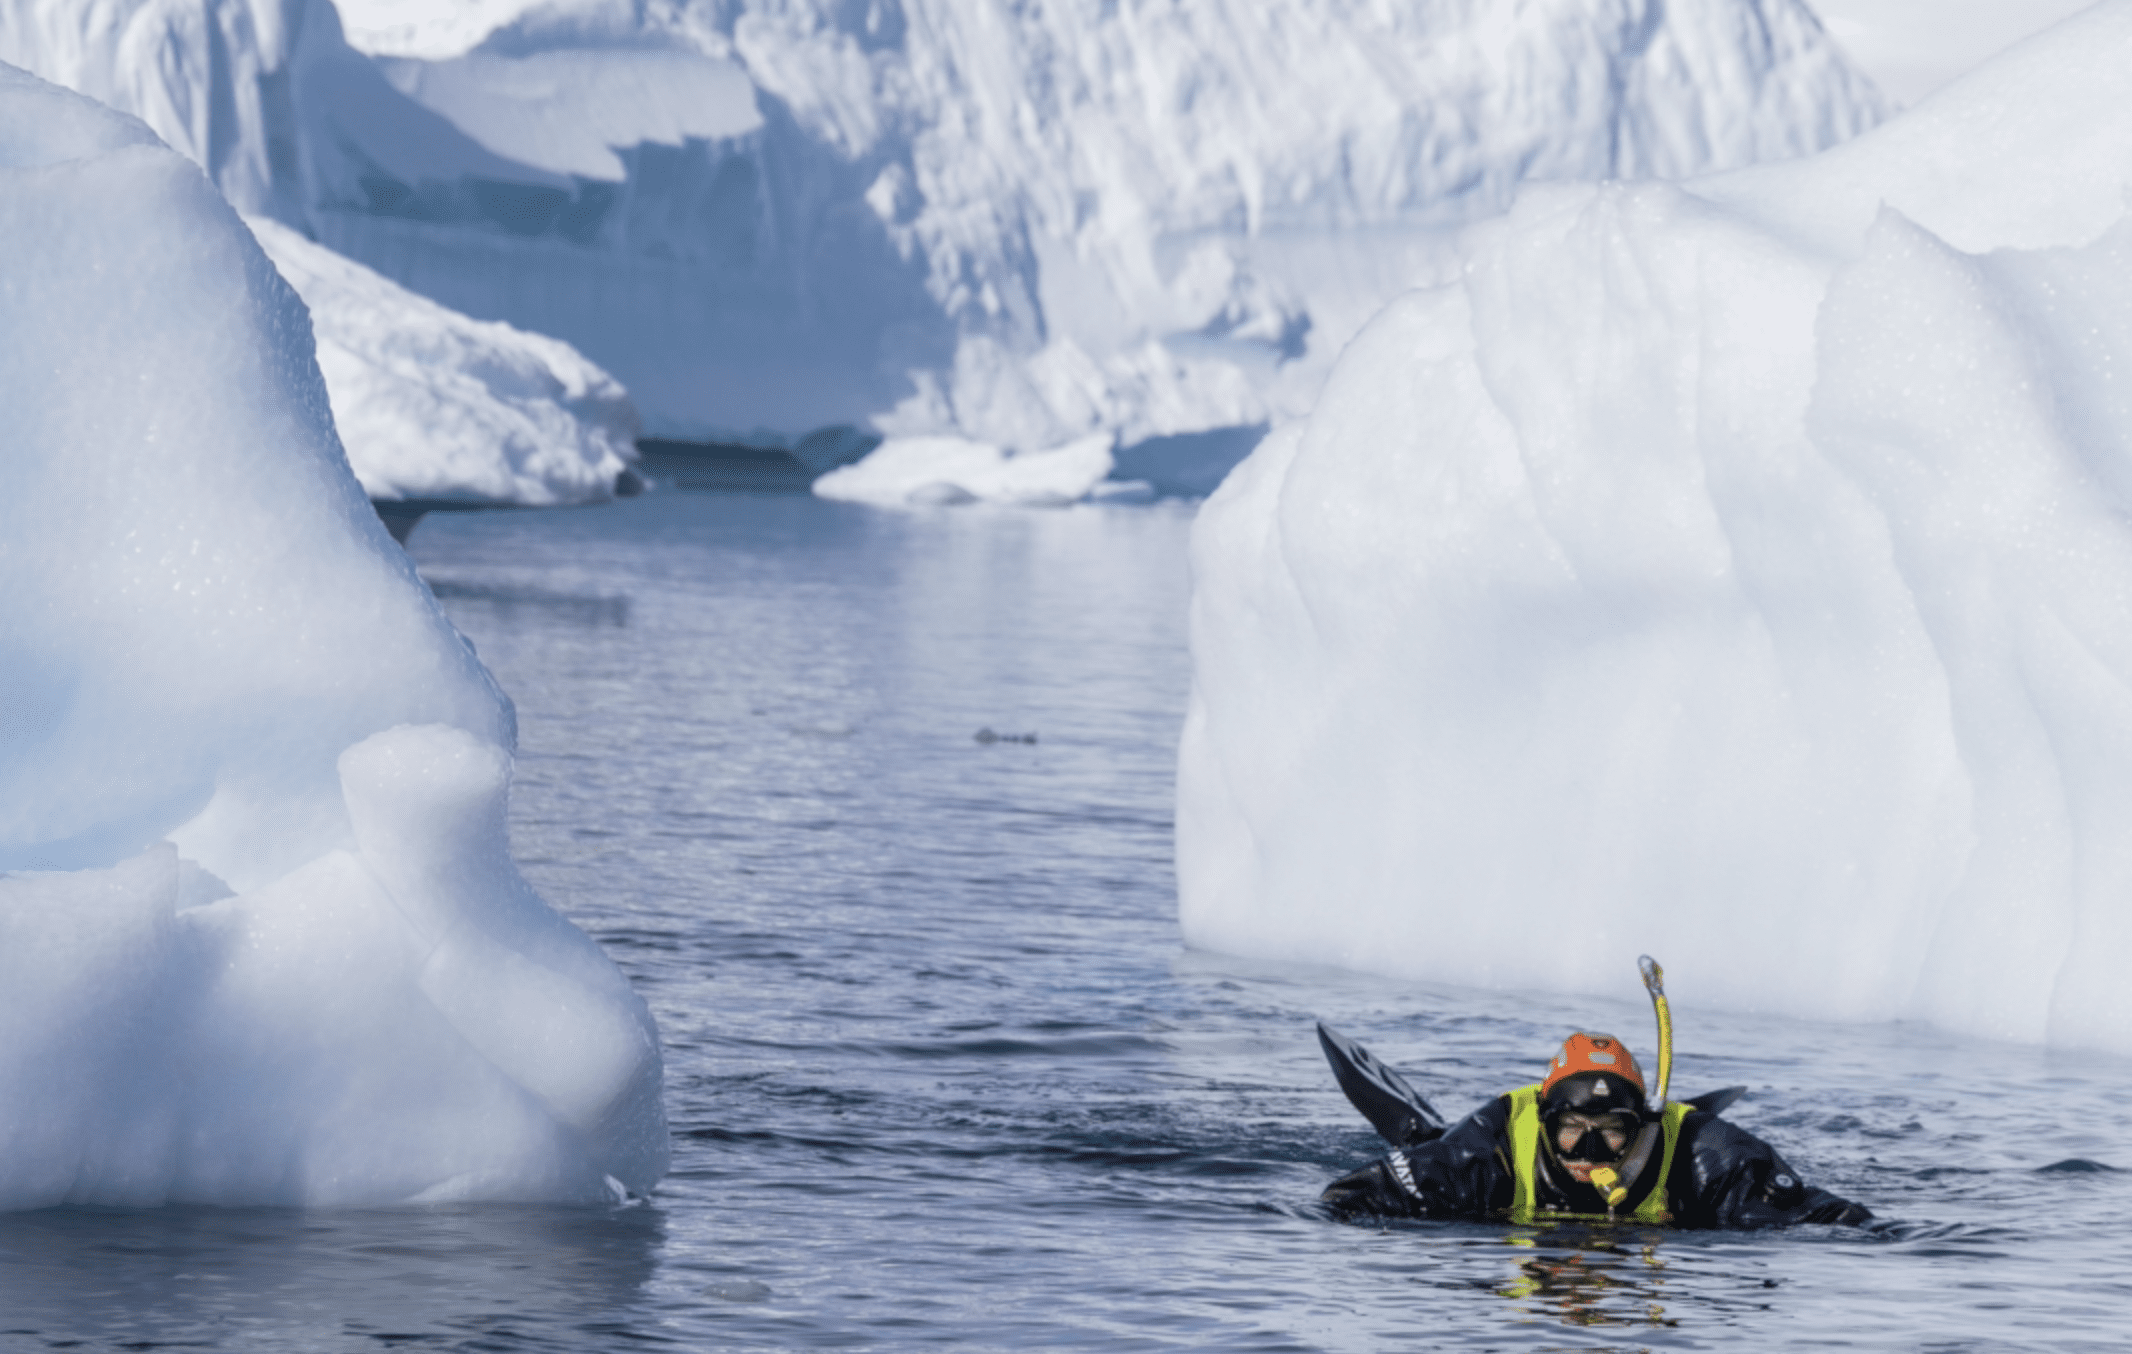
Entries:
{"x":1608,"y":1062}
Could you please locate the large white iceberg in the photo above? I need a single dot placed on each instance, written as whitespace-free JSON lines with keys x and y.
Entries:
{"x":1017,"y":224}
{"x":261,"y":940}
{"x":1737,"y":571}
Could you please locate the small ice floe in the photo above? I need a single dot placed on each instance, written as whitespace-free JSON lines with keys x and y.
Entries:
{"x":950,"y":471}
{"x":1123,"y":491}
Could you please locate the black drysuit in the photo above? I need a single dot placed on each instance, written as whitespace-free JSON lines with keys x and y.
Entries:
{"x":1722,"y":1176}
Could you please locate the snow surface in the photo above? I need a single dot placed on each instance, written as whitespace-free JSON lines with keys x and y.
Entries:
{"x":946,"y":471}
{"x":426,"y":29}
{"x":433,"y":405}
{"x":261,"y":940}
{"x":566,"y":111}
{"x":1736,"y":571}
{"x":1913,"y":47}
{"x":1012,"y":223}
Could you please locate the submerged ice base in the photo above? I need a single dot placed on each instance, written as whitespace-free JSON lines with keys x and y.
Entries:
{"x":1734,"y":571}
{"x":261,"y":940}
{"x":401,"y":1022}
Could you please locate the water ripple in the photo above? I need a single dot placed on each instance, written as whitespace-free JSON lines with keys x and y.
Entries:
{"x":939,"y":1073}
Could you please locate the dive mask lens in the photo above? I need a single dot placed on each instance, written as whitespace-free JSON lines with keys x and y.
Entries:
{"x":1597,"y":1140}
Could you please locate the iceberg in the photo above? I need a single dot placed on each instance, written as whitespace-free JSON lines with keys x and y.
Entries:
{"x":1017,"y":225}
{"x":434,"y":406}
{"x":261,"y":939}
{"x":1735,"y":570}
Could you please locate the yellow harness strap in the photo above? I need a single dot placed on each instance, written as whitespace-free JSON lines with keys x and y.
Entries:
{"x":1525,"y":1161}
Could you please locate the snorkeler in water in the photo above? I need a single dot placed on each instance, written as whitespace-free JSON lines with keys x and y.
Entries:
{"x":1584,"y":1143}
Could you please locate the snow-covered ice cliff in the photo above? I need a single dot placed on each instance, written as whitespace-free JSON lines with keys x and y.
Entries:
{"x":1737,"y":571}
{"x":261,"y":939}
{"x":1012,"y":222}
{"x":433,"y":405}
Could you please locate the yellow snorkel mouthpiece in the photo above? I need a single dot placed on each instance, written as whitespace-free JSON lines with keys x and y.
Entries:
{"x":1608,"y":1182}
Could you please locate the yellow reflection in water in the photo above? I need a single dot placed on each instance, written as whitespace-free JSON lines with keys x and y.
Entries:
{"x":1611,"y":1277}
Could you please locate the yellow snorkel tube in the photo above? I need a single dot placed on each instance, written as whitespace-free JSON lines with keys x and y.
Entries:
{"x":1654,"y":982}
{"x":1606,"y":1178}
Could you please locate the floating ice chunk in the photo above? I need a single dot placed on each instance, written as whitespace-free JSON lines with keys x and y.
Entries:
{"x":431,"y":404}
{"x":944,"y":471}
{"x":1734,"y":571}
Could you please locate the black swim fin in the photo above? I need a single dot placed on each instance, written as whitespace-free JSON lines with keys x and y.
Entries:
{"x":1714,"y":1102}
{"x":1395,"y":1109}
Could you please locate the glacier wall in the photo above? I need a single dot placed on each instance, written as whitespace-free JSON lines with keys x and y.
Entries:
{"x":210,"y":77}
{"x":1736,"y":571}
{"x":1023,"y":223}
{"x":261,"y":940}
{"x":1014,"y":222}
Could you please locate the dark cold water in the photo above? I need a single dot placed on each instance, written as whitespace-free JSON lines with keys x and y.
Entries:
{"x":939,"y":1071}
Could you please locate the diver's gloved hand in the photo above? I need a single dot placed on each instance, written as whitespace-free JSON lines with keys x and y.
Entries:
{"x":1766,"y":1192}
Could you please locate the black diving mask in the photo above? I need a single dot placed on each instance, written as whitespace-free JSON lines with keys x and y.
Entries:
{"x":1600,"y":1138}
